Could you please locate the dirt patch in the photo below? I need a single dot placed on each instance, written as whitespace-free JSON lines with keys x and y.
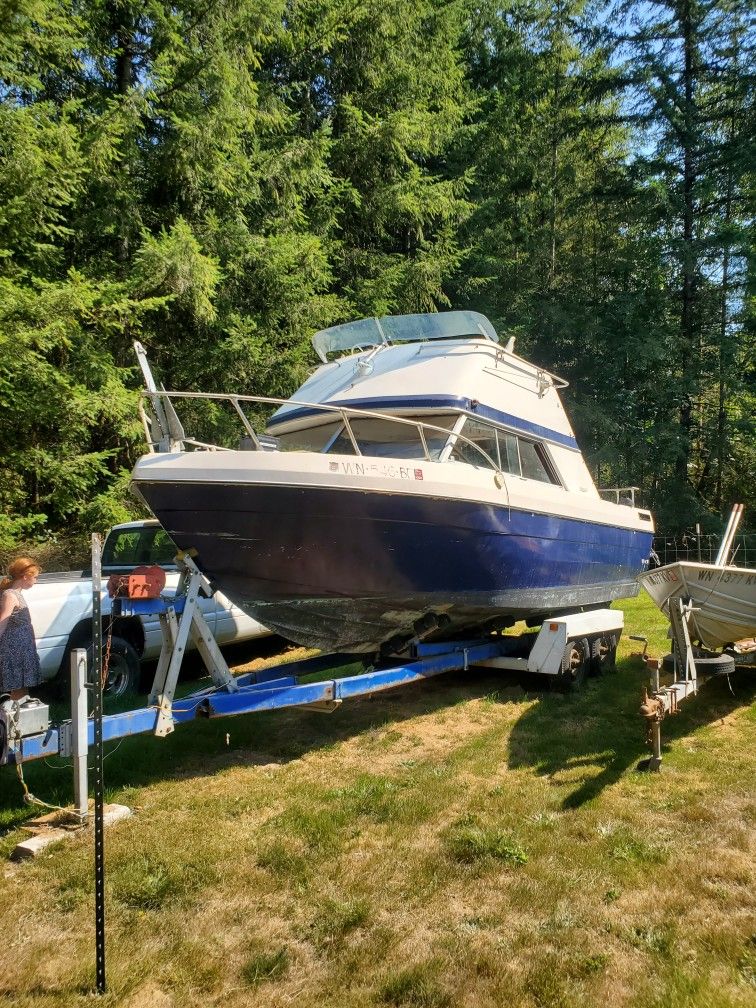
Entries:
{"x":426,"y":736}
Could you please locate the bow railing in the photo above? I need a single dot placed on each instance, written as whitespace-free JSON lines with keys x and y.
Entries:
{"x":159,"y":417}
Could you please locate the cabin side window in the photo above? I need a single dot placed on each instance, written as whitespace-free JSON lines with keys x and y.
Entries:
{"x":507,"y":451}
{"x":534,"y":463}
{"x":484,"y":437}
{"x":510,"y":454}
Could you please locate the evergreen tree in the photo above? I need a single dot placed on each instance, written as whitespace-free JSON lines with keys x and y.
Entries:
{"x":221,"y":180}
{"x":557,"y":250}
{"x":690,"y":91}
{"x":64,"y":410}
{"x":385,"y":81}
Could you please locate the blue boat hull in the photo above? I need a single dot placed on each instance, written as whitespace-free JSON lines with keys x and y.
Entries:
{"x":347,"y":570}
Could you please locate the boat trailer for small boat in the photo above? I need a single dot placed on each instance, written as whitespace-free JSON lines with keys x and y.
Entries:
{"x":690,"y":667}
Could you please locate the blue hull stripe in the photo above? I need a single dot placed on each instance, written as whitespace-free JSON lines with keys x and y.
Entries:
{"x":296,"y":542}
{"x":382,"y":403}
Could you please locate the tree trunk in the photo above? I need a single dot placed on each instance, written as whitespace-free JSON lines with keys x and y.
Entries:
{"x":690,"y":336}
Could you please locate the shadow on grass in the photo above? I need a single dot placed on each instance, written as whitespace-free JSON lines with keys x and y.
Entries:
{"x":563,"y":736}
{"x":205,"y":747}
{"x":566,"y":737}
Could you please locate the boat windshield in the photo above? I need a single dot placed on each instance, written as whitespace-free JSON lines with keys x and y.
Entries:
{"x":365,"y":334}
{"x":384,"y":439}
{"x":375,"y":437}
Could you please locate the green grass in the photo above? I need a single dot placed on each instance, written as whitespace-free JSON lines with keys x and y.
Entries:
{"x":264,"y":966}
{"x":463,"y":841}
{"x":471,"y":843}
{"x":417,"y":987}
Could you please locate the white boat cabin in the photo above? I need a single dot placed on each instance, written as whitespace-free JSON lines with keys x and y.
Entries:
{"x":448,"y":370}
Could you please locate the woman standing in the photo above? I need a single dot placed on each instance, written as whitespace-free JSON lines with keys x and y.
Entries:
{"x":19,"y":662}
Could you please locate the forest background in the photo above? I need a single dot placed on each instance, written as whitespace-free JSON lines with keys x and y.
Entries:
{"x":221,"y":178}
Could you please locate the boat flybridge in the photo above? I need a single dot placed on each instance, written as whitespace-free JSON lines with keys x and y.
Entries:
{"x":424,"y":481}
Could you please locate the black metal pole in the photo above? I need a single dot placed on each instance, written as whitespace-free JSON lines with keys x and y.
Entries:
{"x":99,"y":832}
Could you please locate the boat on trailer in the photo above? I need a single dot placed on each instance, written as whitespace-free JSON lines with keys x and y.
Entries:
{"x":424,"y":481}
{"x":720,"y":597}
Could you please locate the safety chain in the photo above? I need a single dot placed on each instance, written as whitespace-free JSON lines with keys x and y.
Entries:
{"x":30,"y":799}
{"x":123,"y":582}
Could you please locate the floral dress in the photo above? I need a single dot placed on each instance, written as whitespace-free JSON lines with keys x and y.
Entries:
{"x":19,"y":661}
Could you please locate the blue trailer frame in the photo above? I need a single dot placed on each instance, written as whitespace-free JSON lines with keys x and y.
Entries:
{"x":271,"y":689}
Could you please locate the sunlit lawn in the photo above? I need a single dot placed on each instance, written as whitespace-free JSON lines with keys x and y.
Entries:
{"x":459,"y":842}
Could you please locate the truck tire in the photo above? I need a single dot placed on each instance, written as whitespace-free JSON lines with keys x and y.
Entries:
{"x":123,"y":668}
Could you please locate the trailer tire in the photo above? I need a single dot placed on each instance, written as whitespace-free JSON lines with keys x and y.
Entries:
{"x":708,"y":665}
{"x":575,"y":665}
{"x":603,"y":654}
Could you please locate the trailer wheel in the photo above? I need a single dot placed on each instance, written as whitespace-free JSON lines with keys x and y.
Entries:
{"x":603,"y":654}
{"x":706,"y":665}
{"x":575,"y":664}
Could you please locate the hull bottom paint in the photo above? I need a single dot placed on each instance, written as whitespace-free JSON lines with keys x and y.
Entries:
{"x":349,"y":570}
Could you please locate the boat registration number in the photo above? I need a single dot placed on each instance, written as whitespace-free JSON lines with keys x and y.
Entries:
{"x":387,"y":470}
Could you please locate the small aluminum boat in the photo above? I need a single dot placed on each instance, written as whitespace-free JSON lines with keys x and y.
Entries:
{"x":723,"y":598}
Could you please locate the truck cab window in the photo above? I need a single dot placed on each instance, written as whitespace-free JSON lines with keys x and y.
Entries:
{"x":163,"y":551}
{"x":123,"y":549}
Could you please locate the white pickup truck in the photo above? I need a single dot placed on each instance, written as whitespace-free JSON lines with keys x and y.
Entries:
{"x":60,"y":605}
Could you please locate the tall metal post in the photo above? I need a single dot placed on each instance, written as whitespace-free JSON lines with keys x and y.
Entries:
{"x":99,"y":831}
{"x":79,"y":740}
{"x":654,"y":762}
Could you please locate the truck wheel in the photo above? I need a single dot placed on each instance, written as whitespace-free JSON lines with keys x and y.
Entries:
{"x":123,"y":667}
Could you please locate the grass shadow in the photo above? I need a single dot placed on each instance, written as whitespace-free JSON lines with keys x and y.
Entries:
{"x":566,"y":737}
{"x":205,"y":747}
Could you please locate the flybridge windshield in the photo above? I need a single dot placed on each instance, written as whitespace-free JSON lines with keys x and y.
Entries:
{"x":373,"y":332}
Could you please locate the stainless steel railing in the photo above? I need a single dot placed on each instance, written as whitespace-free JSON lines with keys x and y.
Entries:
{"x":158,"y":415}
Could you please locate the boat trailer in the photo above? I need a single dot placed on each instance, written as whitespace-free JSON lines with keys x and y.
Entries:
{"x":566,"y":649}
{"x":689,"y":667}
